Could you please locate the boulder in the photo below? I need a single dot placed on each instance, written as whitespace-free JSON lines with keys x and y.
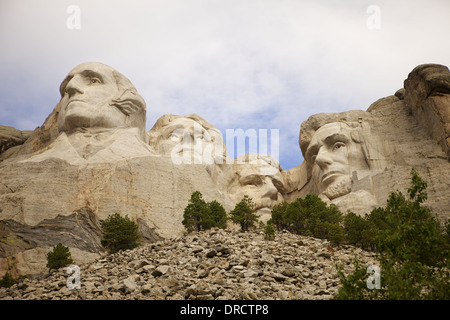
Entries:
{"x":11,"y":137}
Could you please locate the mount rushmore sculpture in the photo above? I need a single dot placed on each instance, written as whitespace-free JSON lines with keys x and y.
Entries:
{"x":93,"y":157}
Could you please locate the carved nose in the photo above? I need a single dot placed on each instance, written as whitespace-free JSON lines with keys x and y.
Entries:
{"x":323,"y":159}
{"x":74,"y":86}
{"x":270,"y":191}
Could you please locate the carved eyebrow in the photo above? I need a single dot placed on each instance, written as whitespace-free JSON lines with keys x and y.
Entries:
{"x":252,"y":179}
{"x":85,"y":73}
{"x":312,"y":150}
{"x":92,"y":74}
{"x":337,"y":137}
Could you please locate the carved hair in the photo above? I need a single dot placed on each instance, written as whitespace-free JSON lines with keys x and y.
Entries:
{"x":129,"y":102}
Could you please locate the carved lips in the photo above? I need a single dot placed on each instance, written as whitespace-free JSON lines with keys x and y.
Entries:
{"x":330,"y":176}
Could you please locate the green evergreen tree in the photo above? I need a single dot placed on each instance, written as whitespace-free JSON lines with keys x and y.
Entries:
{"x":217,"y":216}
{"x":309,"y":217}
{"x":201,"y":215}
{"x":279,"y":216}
{"x":7,"y":281}
{"x":359,"y":231}
{"x":119,"y":233}
{"x":195,"y":212}
{"x":412,"y":250}
{"x":269,"y":231}
{"x":59,"y":257}
{"x":243,"y":213}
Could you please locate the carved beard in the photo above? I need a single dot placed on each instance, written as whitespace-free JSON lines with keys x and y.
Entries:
{"x":339,"y":188}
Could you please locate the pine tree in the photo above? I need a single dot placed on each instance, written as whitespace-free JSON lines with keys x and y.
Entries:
{"x":195,"y":212}
{"x":59,"y":257}
{"x":7,"y":281}
{"x":412,"y":250}
{"x":217,"y":216}
{"x":201,"y":215}
{"x":243,"y":213}
{"x":269,"y":231}
{"x":119,"y":233}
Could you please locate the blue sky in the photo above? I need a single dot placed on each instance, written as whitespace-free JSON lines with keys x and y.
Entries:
{"x":248,"y":64}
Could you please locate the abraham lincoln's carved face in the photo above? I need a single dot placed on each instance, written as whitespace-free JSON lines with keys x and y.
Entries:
{"x":333,"y":155}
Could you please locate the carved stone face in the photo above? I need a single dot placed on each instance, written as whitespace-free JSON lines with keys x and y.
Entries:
{"x":87,"y":99}
{"x":260,"y":179}
{"x":189,"y":142}
{"x":333,"y":156}
{"x":427,"y":93}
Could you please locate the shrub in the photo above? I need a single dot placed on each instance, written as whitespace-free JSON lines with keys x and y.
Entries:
{"x":195,"y":212}
{"x":7,"y":281}
{"x":399,"y":281}
{"x":409,"y":231}
{"x":59,"y":257}
{"x":279,"y":216}
{"x":201,"y":215}
{"x":243,"y":213}
{"x":119,"y":233}
{"x":359,"y":231}
{"x":335,"y":233}
{"x":217,"y":216}
{"x":269,"y":232}
{"x":412,"y":248}
{"x":309,"y":217}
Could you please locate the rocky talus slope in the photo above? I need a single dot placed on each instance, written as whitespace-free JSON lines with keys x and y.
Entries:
{"x":214,"y":264}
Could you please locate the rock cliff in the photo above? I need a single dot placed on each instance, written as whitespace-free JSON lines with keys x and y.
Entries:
{"x":93,"y":157}
{"x":355,"y":159}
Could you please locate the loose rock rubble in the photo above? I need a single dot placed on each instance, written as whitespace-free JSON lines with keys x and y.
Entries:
{"x":213,"y":264}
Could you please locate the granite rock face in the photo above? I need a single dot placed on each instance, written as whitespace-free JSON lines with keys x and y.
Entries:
{"x":92,"y":153}
{"x":151,"y":190}
{"x":355,"y":159}
{"x":93,"y":157}
{"x":427,"y":93}
{"x":11,"y":137}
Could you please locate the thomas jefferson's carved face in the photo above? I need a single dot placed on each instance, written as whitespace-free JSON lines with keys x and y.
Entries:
{"x":188,"y":141}
{"x":333,"y":155}
{"x":87,"y":94}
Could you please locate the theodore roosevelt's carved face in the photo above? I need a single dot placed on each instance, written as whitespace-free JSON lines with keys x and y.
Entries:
{"x":94,"y":95}
{"x":260,"y":178}
{"x":333,"y":156}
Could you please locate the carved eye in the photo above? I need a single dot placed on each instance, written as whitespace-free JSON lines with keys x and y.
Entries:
{"x":278,"y":184}
{"x":338,"y":145}
{"x":440,"y":91}
{"x":94,"y":80}
{"x":175,"y":137}
{"x":252,"y":180}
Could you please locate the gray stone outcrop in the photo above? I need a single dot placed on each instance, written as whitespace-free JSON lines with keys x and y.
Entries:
{"x":209,"y":265}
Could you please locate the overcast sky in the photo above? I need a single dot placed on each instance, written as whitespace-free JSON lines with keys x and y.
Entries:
{"x":249,"y":64}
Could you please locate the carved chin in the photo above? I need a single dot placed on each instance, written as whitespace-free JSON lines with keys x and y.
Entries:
{"x":339,"y":188}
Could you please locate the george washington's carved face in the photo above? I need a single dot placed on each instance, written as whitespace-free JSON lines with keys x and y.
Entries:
{"x":89,"y":99}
